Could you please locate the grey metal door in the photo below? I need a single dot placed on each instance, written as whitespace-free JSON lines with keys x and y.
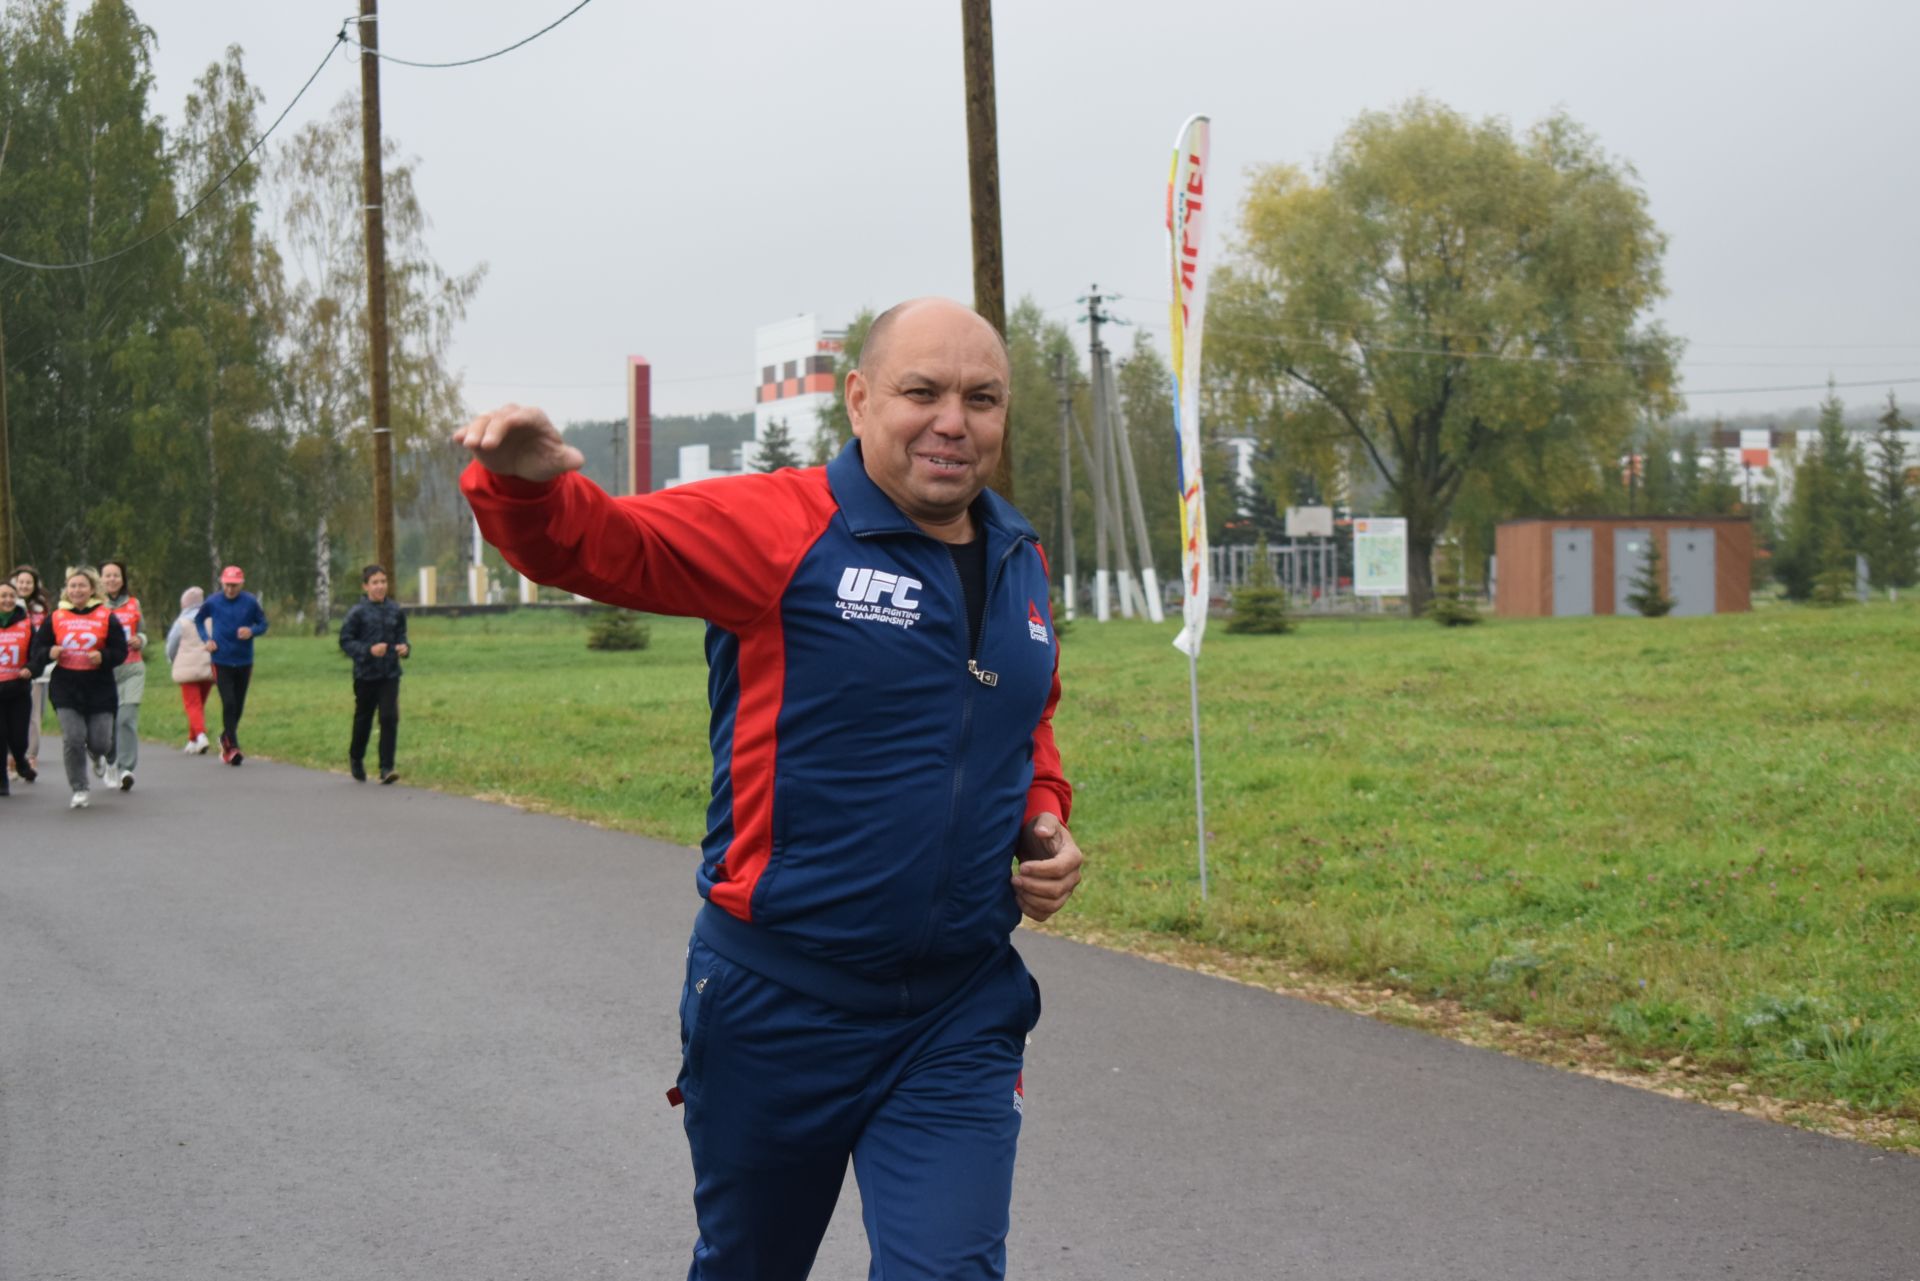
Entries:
{"x":1629,"y":560}
{"x":1690,"y":570}
{"x":1572,"y":573}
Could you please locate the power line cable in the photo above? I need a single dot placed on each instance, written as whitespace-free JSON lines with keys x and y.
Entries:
{"x":467,"y":62}
{"x":1151,"y":300}
{"x":1335,"y":343}
{"x":1576,"y":360}
{"x":603,"y":385}
{"x":205,"y":196}
{"x":1735,"y":391}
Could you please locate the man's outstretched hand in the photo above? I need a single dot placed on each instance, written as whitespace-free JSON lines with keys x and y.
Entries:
{"x":520,"y":440}
{"x":1049,"y":867}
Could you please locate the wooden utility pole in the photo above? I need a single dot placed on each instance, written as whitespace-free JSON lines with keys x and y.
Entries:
{"x":374,"y":186}
{"x":983,"y":180}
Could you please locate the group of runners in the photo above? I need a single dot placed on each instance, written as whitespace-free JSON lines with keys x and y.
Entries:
{"x":85,"y":653}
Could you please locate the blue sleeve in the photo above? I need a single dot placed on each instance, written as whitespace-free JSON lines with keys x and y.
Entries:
{"x":261,"y":615}
{"x":203,"y":621}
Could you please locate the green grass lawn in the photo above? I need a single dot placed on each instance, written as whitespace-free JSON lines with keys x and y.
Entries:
{"x":1684,"y":836}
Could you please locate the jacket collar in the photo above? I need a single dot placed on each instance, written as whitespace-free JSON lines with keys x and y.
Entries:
{"x":868,"y":510}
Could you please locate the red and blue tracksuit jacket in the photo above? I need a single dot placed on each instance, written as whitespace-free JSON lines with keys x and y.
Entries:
{"x":870,"y":775}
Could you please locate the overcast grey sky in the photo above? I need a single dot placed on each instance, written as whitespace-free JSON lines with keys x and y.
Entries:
{"x":660,"y":178}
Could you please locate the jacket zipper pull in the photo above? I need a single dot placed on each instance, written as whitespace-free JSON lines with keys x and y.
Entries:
{"x":982,"y":675}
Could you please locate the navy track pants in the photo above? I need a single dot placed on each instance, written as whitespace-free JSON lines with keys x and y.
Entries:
{"x":781,"y":1090}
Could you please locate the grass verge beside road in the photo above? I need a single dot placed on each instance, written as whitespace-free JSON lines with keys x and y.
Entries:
{"x":1691,"y":842}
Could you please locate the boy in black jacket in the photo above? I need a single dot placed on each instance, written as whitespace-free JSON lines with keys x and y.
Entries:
{"x":375,"y":637}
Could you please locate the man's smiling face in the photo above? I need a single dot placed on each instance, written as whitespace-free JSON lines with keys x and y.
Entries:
{"x":930,"y":409}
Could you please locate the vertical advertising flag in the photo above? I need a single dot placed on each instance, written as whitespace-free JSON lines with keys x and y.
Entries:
{"x":1186,"y":234}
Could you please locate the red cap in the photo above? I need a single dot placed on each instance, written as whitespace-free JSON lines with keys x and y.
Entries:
{"x":232,"y":574}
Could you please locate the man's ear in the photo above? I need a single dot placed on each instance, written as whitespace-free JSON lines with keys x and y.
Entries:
{"x":857,"y":395}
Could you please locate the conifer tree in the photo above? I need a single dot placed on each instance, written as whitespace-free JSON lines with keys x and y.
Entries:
{"x":1260,"y":607}
{"x":1649,"y":594}
{"x":1837,"y":578}
{"x":776,"y":448}
{"x":1718,"y":492}
{"x":1827,"y":517}
{"x":617,"y":629}
{"x":1893,"y":540}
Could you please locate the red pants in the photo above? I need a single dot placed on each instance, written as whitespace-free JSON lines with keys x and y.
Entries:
{"x":193,"y":697}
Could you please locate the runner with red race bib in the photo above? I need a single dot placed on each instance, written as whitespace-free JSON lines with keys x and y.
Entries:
{"x":130,"y":678}
{"x":16,"y":683}
{"x":86,"y":643}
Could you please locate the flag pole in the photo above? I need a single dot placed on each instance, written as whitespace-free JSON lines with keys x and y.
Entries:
{"x":1199,"y":778}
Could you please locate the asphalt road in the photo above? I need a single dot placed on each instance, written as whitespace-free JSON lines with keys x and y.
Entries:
{"x":265,"y":1023}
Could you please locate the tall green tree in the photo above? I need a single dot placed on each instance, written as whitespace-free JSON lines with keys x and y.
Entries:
{"x":205,"y":437}
{"x":1654,"y":490}
{"x":835,"y":428}
{"x":1893,"y":535}
{"x":324,"y":397}
{"x":1457,"y":299}
{"x":1689,"y":469}
{"x":86,"y":175}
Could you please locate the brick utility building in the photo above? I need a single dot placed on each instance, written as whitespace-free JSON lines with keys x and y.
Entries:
{"x":1573,"y":567}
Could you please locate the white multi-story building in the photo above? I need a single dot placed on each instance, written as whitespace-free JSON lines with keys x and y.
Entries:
{"x":1766,"y":458}
{"x":795,"y":358}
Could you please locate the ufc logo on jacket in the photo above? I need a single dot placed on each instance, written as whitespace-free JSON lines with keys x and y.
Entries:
{"x":867,"y":586}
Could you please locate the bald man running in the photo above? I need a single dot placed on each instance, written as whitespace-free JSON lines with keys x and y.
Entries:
{"x":886,"y":798}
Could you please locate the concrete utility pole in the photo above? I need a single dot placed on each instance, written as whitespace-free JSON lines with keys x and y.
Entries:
{"x":1108,"y":506}
{"x":373,"y":185}
{"x":1149,"y":581}
{"x":1102,"y":579}
{"x":983,"y":181}
{"x":1132,"y":600}
{"x":1063,"y":384}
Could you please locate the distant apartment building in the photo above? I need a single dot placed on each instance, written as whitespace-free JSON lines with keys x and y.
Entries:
{"x":1764,"y":458}
{"x":795,"y":359}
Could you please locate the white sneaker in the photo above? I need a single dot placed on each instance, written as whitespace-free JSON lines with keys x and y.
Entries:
{"x":192,"y":746}
{"x":112,"y":776}
{"x":126,"y":780}
{"x":80,"y":801}
{"x":99,"y":766}
{"x":200,"y":745}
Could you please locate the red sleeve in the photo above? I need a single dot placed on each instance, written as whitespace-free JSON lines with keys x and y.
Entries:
{"x":1049,"y":792}
{"x":721,"y":549}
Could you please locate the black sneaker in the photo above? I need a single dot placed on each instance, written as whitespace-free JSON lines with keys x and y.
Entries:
{"x":27,"y":773}
{"x":389,"y":776}
{"x":126,"y":780}
{"x":359,"y":771}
